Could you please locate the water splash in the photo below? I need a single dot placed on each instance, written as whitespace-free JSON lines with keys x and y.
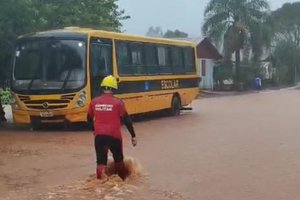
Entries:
{"x":112,"y":187}
{"x":133,"y":166}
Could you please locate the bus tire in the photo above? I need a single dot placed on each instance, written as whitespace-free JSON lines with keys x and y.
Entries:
{"x":175,"y":106}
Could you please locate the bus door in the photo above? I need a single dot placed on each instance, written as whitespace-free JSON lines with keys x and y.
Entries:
{"x":100,"y":62}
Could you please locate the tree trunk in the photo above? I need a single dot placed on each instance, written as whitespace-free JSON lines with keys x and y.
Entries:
{"x":2,"y":113}
{"x":237,"y":68}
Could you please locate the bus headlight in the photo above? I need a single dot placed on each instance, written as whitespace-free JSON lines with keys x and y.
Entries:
{"x":81,"y":102}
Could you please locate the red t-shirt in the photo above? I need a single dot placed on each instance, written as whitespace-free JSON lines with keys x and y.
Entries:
{"x":107,"y":112}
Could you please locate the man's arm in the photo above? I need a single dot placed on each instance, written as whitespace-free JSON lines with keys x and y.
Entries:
{"x":128,"y":123}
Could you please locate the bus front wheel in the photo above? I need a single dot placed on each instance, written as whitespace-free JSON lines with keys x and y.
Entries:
{"x":175,"y":106}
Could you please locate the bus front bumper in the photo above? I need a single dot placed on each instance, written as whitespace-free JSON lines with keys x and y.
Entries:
{"x":50,"y":116}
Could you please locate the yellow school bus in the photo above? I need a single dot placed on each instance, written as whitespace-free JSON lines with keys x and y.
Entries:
{"x":56,"y":73}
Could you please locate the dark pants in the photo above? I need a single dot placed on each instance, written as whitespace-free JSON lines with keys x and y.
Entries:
{"x":103,"y":143}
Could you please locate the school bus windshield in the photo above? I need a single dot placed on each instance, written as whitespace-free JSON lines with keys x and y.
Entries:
{"x":49,"y":65}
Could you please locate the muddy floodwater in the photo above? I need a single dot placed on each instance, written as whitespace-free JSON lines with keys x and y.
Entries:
{"x":240,"y":147}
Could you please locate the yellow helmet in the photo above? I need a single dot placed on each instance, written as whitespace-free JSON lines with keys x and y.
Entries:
{"x":109,"y":81}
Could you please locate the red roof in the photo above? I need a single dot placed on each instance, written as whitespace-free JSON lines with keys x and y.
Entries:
{"x":205,"y":49}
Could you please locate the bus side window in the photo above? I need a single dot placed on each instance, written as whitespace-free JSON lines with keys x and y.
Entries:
{"x":189,"y":60}
{"x":101,"y":59}
{"x":100,"y":62}
{"x":131,"y":58}
{"x":163,"y":55}
{"x":123,"y":58}
{"x":177,"y":58}
{"x":151,"y":61}
{"x":137,"y":58}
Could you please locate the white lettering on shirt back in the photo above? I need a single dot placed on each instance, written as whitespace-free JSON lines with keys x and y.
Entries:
{"x":103,"y":107}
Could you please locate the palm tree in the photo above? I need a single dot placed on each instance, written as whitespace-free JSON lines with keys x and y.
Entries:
{"x":235,"y":23}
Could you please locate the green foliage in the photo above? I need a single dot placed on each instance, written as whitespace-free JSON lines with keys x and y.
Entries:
{"x":175,"y":34}
{"x":222,"y":71}
{"x":287,"y":61}
{"x":248,"y":73}
{"x":287,"y":26}
{"x":286,"y":50}
{"x":261,"y":37}
{"x":5,"y":96}
{"x":235,"y":16}
{"x":102,"y":14}
{"x":26,"y":16}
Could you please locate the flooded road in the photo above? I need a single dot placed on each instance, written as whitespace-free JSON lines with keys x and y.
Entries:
{"x":235,"y":147}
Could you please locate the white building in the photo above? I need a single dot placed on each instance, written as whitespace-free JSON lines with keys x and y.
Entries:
{"x":207,"y":55}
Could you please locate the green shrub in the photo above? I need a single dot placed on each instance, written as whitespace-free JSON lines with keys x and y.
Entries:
{"x":5,"y":96}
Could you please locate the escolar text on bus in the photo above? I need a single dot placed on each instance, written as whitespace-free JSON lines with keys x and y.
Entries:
{"x":169,"y":84}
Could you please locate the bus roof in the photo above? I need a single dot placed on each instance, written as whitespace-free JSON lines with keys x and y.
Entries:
{"x":77,"y":32}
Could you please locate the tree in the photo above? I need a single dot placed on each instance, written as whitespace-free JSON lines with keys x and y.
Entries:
{"x":222,"y":71}
{"x":286,"y":60}
{"x":20,"y":17}
{"x":233,"y":23}
{"x":155,"y":32}
{"x":175,"y":34}
{"x":287,"y":26}
{"x":287,"y":42}
{"x":103,"y":14}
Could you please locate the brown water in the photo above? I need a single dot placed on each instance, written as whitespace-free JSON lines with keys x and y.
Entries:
{"x":237,"y":147}
{"x":112,"y":187}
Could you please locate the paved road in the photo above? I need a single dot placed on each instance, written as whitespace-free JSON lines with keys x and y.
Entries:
{"x":235,"y":147}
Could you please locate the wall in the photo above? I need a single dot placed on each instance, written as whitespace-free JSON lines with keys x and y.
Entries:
{"x":206,"y":73}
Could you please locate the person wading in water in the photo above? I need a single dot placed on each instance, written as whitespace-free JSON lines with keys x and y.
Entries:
{"x":106,"y":112}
